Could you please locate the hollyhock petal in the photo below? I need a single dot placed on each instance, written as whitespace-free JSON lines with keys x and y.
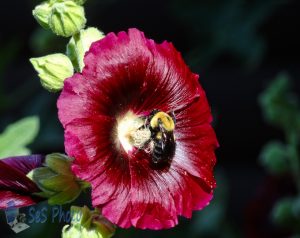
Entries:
{"x":158,"y":197}
{"x":6,"y":197}
{"x":90,"y":132}
{"x":194,"y":143}
{"x":118,"y":209}
{"x":24,"y":164}
{"x":147,"y":200}
{"x":196,"y":140}
{"x":187,"y":192}
{"x":138,"y":71}
{"x":76,"y":100}
{"x":14,"y":184}
{"x":128,"y":76}
{"x":13,"y":173}
{"x":196,"y":113}
{"x":153,"y":205}
{"x":75,"y":147}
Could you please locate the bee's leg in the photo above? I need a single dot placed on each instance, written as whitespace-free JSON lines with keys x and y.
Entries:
{"x":172,"y":115}
{"x":145,"y":123}
{"x":160,"y":124}
{"x":153,"y":112}
{"x":161,"y":127}
{"x":145,"y":144}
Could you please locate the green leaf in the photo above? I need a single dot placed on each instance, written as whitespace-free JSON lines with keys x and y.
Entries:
{"x":282,"y":213}
{"x":17,"y":136}
{"x":279,"y":105}
{"x":274,"y":157}
{"x":296,"y":207}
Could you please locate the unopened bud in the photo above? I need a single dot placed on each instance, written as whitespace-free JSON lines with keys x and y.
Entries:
{"x":41,"y":13}
{"x":80,"y":43}
{"x":67,"y":18}
{"x":80,"y":2}
{"x":88,"y":224}
{"x":56,"y":180}
{"x":53,"y":70}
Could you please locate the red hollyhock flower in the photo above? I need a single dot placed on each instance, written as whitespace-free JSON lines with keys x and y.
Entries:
{"x":14,"y":185}
{"x":144,"y":171}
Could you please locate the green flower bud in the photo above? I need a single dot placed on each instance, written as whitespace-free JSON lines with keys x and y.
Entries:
{"x":64,"y":17}
{"x":80,"y":43}
{"x":79,"y":2}
{"x":56,"y":180}
{"x":67,"y":18}
{"x":41,"y":13}
{"x":88,"y":224}
{"x":53,"y":70}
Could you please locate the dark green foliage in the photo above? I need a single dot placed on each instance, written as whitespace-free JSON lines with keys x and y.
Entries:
{"x":281,"y":108}
{"x":220,"y":27}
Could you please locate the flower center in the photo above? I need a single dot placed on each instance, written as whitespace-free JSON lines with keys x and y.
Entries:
{"x":131,"y":132}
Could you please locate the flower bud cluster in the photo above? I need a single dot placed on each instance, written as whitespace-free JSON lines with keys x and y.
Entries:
{"x":56,"y":180}
{"x":63,"y":17}
{"x":90,"y":225}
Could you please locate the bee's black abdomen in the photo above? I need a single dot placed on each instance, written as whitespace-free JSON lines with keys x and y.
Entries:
{"x":164,"y":144}
{"x":157,"y":153}
{"x":163,"y":149}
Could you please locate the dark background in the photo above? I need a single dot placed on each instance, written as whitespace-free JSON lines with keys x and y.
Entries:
{"x":236,"y":46}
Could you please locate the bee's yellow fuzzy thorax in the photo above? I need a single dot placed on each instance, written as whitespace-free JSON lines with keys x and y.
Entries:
{"x":166,"y":120}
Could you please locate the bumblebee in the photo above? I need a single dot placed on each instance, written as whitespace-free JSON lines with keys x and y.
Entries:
{"x":162,"y":127}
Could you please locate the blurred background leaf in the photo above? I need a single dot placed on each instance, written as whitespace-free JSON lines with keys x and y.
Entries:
{"x":274,"y":157}
{"x":224,"y":27}
{"x":283,"y":214}
{"x":280,"y":106}
{"x":17,"y":136}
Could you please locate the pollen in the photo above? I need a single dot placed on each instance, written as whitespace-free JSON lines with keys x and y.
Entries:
{"x":131,"y":132}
